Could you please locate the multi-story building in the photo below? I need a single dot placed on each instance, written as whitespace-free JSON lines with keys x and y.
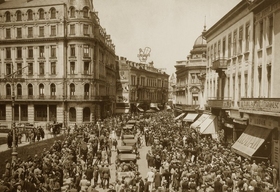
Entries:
{"x":140,"y":87}
{"x":242,"y":78}
{"x":64,"y":62}
{"x":229,"y":68}
{"x":190,"y":78}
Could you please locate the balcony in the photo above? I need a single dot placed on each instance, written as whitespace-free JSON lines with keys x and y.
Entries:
{"x":219,"y":64}
{"x":222,"y":103}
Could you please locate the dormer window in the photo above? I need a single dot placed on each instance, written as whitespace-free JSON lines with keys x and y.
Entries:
{"x":8,"y":16}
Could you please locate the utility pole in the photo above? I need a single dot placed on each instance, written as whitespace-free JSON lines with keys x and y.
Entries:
{"x":11,"y":78}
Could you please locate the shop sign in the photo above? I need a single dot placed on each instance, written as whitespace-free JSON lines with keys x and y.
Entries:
{"x":260,"y":105}
{"x":263,"y":122}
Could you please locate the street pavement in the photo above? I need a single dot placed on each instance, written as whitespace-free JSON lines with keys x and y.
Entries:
{"x":142,"y":163}
{"x":4,"y":147}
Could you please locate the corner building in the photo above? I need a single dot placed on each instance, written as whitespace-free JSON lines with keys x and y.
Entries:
{"x":67,"y":59}
{"x":242,"y":78}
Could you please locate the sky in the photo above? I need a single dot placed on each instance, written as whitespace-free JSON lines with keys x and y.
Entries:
{"x":168,"y":27}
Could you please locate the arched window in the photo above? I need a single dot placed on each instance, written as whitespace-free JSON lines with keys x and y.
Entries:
{"x":86,"y":114}
{"x":8,"y":90}
{"x":8,"y":16}
{"x":72,"y":89}
{"x":41,"y":14}
{"x":53,"y":13}
{"x":85,"y":12}
{"x":53,"y":89}
{"x":41,"y":90}
{"x":29,"y":15}
{"x":30,"y":90}
{"x":72,"y":12}
{"x":19,"y":16}
{"x":86,"y":91}
{"x":19,"y":90}
{"x":72,"y":114}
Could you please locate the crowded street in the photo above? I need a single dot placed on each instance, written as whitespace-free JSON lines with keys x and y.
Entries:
{"x":167,"y":157}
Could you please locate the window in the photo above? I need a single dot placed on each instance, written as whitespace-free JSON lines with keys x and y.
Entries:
{"x":72,"y":51}
{"x":72,"y":68}
{"x":8,"y":16}
{"x":192,"y":78}
{"x":53,"y":30}
{"x":19,"y":90}
{"x":72,"y":29}
{"x":240,"y":40}
{"x":195,"y":99}
{"x":18,"y":15}
{"x":86,"y":114}
{"x":85,"y":12}
{"x":41,"y":51}
{"x":268,"y":81}
{"x":234,"y":43}
{"x":41,"y":31}
{"x":53,"y":68}
{"x":53,"y":13}
{"x":260,"y":34}
{"x":229,"y":46}
{"x":41,"y":89}
{"x":228,"y":86}
{"x":8,"y":53}
{"x":247,"y":37}
{"x":2,"y":112}
{"x":224,"y":47}
{"x":29,"y":15}
{"x":72,"y":89}
{"x":86,"y":90}
{"x":246,"y":85}
{"x":72,"y":114}
{"x":8,"y":33}
{"x":19,"y":52}
{"x":19,"y":68}
{"x":53,"y":89}
{"x":86,"y":32}
{"x":239,"y":87}
{"x":53,"y":51}
{"x":41,"y":68}
{"x":40,"y":112}
{"x":30,"y":52}
{"x":215,"y":51}
{"x":72,"y":12}
{"x":8,"y":90}
{"x":8,"y":68}
{"x":30,"y":68}
{"x":24,"y":112}
{"x":86,"y":51}
{"x":219,"y":49}
{"x":30,"y":90}
{"x":41,"y":14}
{"x":30,"y":32}
{"x":86,"y":67}
{"x":270,"y":30}
{"x":233,"y":85}
{"x":19,"y":33}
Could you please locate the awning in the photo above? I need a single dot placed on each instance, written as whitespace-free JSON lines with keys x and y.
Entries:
{"x":250,"y":141}
{"x":209,"y":126}
{"x":199,"y":121}
{"x":190,"y":117}
{"x":179,"y":116}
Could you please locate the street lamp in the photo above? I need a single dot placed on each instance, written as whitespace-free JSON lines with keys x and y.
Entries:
{"x":11,"y":78}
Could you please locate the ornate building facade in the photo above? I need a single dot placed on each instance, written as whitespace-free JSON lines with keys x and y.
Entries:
{"x":140,"y":87}
{"x":190,"y":75}
{"x":57,"y":61}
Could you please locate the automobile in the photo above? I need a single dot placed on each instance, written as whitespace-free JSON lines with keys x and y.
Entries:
{"x":129,"y":142}
{"x":127,"y":157}
{"x":128,"y":137}
{"x":125,"y":149}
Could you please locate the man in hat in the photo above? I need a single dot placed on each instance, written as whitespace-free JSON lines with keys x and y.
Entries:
{"x":218,"y":187}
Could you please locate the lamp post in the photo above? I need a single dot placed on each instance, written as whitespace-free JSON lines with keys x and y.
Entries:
{"x":11,"y":78}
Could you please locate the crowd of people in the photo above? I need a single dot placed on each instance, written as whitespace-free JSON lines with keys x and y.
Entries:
{"x":179,"y":159}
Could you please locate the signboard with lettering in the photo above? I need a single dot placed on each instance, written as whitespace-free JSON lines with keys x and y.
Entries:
{"x":263,"y":122}
{"x":260,"y":105}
